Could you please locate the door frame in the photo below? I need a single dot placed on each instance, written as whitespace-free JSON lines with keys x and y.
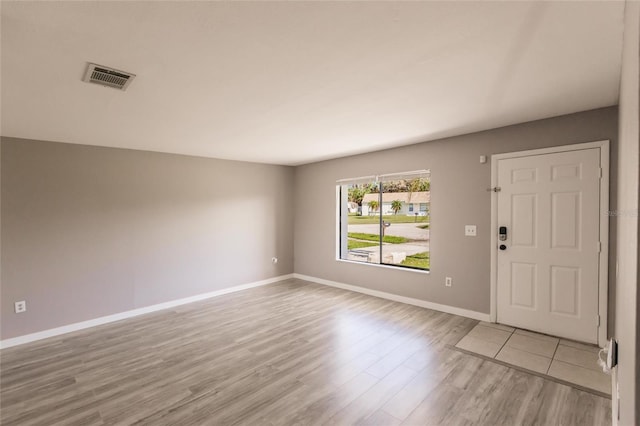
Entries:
{"x":603,"y":278}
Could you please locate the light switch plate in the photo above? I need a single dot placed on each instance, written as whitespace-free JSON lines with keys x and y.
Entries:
{"x":470,"y":230}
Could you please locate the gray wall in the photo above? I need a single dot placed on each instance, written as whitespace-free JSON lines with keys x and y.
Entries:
{"x":89,"y":231}
{"x":458,"y":198}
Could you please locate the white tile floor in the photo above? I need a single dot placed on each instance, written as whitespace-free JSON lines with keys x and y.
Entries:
{"x":563,"y":359}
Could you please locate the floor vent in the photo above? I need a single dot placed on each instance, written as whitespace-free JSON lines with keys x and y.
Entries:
{"x":108,"y":77}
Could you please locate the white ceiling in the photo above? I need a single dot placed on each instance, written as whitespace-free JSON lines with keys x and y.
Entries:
{"x":297,"y":82}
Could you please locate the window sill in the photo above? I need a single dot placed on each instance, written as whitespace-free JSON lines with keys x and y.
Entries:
{"x":395,"y":268}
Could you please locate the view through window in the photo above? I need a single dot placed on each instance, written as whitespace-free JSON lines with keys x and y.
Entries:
{"x":385,"y":219}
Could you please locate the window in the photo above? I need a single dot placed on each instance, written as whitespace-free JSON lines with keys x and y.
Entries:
{"x":386,"y":228}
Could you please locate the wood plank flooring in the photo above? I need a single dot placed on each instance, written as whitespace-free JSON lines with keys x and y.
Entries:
{"x":288,"y":353}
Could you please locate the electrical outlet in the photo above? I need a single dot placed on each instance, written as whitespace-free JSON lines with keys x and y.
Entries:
{"x":448,"y":281}
{"x":470,"y":230}
{"x":20,"y":306}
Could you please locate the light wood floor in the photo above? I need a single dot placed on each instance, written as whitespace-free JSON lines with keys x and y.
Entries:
{"x":289,"y":353}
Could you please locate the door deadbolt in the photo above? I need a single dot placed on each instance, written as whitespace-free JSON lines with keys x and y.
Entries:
{"x":502,"y":233}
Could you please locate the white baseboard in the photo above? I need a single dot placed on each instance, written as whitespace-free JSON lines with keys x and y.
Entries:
{"x":27,"y":338}
{"x":480,"y":316}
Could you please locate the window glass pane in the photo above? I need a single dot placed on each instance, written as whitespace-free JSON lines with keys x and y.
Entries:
{"x":405,"y":240}
{"x":360,"y":222}
{"x":386,"y":221}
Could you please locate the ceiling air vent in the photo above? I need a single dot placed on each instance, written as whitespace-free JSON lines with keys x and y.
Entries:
{"x":109,"y":77}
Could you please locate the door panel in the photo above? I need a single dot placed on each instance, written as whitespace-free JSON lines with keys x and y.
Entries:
{"x":565,"y":290}
{"x":523,"y":285}
{"x":548,"y":274}
{"x":524,"y":175}
{"x":565,"y":220}
{"x":524,"y":216}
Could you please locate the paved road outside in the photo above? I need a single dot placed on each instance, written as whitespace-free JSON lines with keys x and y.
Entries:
{"x":408,"y":248}
{"x":407,"y":230}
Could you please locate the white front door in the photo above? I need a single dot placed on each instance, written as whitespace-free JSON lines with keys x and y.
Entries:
{"x":548,"y":265}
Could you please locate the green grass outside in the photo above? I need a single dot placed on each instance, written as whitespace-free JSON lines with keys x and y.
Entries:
{"x":374,"y":237}
{"x":353,"y":244}
{"x":418,"y":260}
{"x":354,"y":220}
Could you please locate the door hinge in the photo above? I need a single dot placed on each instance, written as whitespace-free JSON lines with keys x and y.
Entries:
{"x":495,"y":189}
{"x":598,"y":320}
{"x":599,"y":247}
{"x":600,"y":172}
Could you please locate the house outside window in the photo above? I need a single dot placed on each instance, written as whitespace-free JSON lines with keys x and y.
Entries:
{"x":386,"y":228}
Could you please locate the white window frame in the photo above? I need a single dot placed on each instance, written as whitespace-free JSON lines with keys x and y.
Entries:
{"x":340,"y":232}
